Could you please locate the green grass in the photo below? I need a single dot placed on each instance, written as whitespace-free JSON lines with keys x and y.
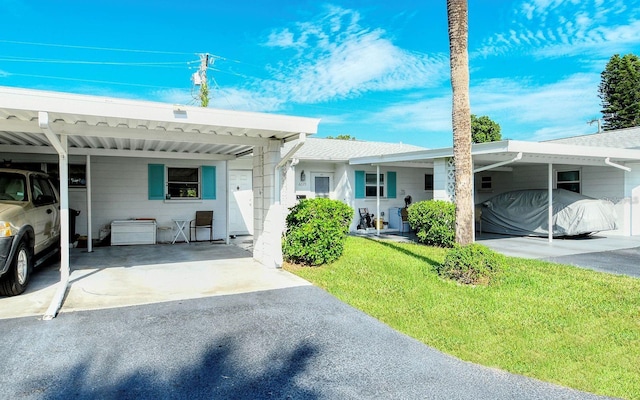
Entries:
{"x":557,"y":323}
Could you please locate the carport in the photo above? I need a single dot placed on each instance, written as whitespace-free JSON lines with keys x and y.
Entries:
{"x":504,"y":155}
{"x":52,"y":123}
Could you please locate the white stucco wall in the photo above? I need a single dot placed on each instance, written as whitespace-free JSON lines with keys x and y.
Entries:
{"x":119,"y":191}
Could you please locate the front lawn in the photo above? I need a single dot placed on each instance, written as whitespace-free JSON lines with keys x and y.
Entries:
{"x":561,"y":324}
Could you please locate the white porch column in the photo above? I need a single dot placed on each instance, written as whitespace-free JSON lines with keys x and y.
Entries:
{"x":89,"y":224}
{"x":377,"y":200}
{"x":550,"y":204}
{"x":267,"y":211}
{"x":440,"y":180}
{"x":60,"y":144}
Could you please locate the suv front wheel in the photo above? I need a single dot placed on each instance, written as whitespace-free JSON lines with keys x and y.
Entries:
{"x":15,"y":280}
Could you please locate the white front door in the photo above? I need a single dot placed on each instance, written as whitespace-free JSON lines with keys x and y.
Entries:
{"x":240,"y":202}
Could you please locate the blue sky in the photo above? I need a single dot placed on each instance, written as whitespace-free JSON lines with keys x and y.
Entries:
{"x":376,"y":70}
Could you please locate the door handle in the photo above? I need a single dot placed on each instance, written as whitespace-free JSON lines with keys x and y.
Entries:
{"x":49,"y":211}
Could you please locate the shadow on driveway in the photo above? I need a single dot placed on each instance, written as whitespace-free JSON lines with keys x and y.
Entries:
{"x":293,"y":343}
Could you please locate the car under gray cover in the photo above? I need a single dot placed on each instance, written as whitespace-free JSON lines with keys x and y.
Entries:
{"x":525,"y":213}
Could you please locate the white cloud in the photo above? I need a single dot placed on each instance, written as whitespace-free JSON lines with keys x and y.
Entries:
{"x":338,"y":58}
{"x":552,"y":110}
{"x":429,"y":115}
{"x":556,"y":28}
{"x":282,"y":38}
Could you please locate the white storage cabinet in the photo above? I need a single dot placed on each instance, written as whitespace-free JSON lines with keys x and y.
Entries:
{"x":134,"y":231}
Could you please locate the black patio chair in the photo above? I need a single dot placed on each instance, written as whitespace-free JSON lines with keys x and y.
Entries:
{"x":204,"y":219}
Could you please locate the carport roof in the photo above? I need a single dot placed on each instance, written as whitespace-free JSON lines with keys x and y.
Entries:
{"x":119,"y":127}
{"x":503,"y":151}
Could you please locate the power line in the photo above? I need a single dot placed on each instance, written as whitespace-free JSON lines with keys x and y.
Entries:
{"x":93,"y":47}
{"x":93,"y":81}
{"x":132,"y":64}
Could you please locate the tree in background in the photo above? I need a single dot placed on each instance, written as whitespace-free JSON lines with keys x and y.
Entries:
{"x":458,"y":21}
{"x":619,"y":92}
{"x":484,"y":129}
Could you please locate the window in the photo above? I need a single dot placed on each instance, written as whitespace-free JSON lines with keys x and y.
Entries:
{"x":366,"y":185}
{"x":322,"y":186}
{"x":42,"y":191}
{"x":428,"y":181}
{"x":183,"y":183}
{"x":569,"y":180}
{"x":486,"y":183}
{"x":371,"y":183}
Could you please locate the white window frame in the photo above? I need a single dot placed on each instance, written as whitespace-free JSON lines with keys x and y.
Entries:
{"x":427,"y":189}
{"x":374,"y":185}
{"x":168,"y":182}
{"x":314,"y":175}
{"x":486,"y":183}
{"x":578,"y":181}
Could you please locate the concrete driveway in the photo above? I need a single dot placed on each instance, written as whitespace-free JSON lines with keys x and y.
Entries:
{"x":118,"y":276}
{"x":611,"y":254}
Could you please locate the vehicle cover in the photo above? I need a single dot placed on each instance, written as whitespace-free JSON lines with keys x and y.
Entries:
{"x":525,"y":213}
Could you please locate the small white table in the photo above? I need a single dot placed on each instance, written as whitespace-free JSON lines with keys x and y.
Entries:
{"x":181,"y":224}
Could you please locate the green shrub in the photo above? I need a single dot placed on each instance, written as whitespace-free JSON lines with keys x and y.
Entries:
{"x":471,"y":264}
{"x":434,"y":222}
{"x":316,"y":231}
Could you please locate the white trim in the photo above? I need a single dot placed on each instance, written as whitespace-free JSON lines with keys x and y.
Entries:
{"x":533,"y":152}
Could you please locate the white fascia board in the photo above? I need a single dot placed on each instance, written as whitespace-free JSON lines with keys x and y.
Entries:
{"x":559,"y":149}
{"x":551,"y":150}
{"x":78,"y":105}
{"x":419,"y":155}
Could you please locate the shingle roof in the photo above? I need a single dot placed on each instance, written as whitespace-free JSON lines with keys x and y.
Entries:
{"x":628,"y":138}
{"x":342,"y":150}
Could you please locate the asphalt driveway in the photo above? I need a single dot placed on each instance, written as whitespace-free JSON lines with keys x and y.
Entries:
{"x":292,"y":343}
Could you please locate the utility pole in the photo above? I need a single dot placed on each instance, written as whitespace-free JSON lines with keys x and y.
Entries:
{"x":200,"y":78}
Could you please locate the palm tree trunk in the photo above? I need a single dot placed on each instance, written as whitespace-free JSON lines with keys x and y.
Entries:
{"x":457,"y":11}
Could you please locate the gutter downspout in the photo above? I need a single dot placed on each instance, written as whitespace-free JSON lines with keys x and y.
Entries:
{"x":61,"y":147}
{"x":518,"y":157}
{"x":301,"y":140}
{"x":612,"y":164}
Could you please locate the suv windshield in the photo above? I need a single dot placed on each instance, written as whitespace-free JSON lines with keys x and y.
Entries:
{"x":13,"y":187}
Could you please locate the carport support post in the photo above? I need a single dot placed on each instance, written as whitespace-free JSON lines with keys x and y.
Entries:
{"x":377,"y":200}
{"x":89,"y":225}
{"x":550,"y":204}
{"x":60,"y":144}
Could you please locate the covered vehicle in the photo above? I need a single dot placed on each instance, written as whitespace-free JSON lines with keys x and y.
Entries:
{"x":525,"y":213}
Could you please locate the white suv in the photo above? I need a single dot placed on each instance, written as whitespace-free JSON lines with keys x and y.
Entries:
{"x":29,"y":225}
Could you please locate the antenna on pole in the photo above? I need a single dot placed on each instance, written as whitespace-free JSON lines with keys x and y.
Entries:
{"x":599,"y":123}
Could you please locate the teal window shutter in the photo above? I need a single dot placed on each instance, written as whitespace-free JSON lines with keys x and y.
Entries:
{"x":359,"y":184}
{"x":208,"y":182}
{"x":156,"y":182}
{"x":391,"y":185}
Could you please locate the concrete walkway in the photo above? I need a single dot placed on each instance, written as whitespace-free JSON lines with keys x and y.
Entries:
{"x":119,"y":276}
